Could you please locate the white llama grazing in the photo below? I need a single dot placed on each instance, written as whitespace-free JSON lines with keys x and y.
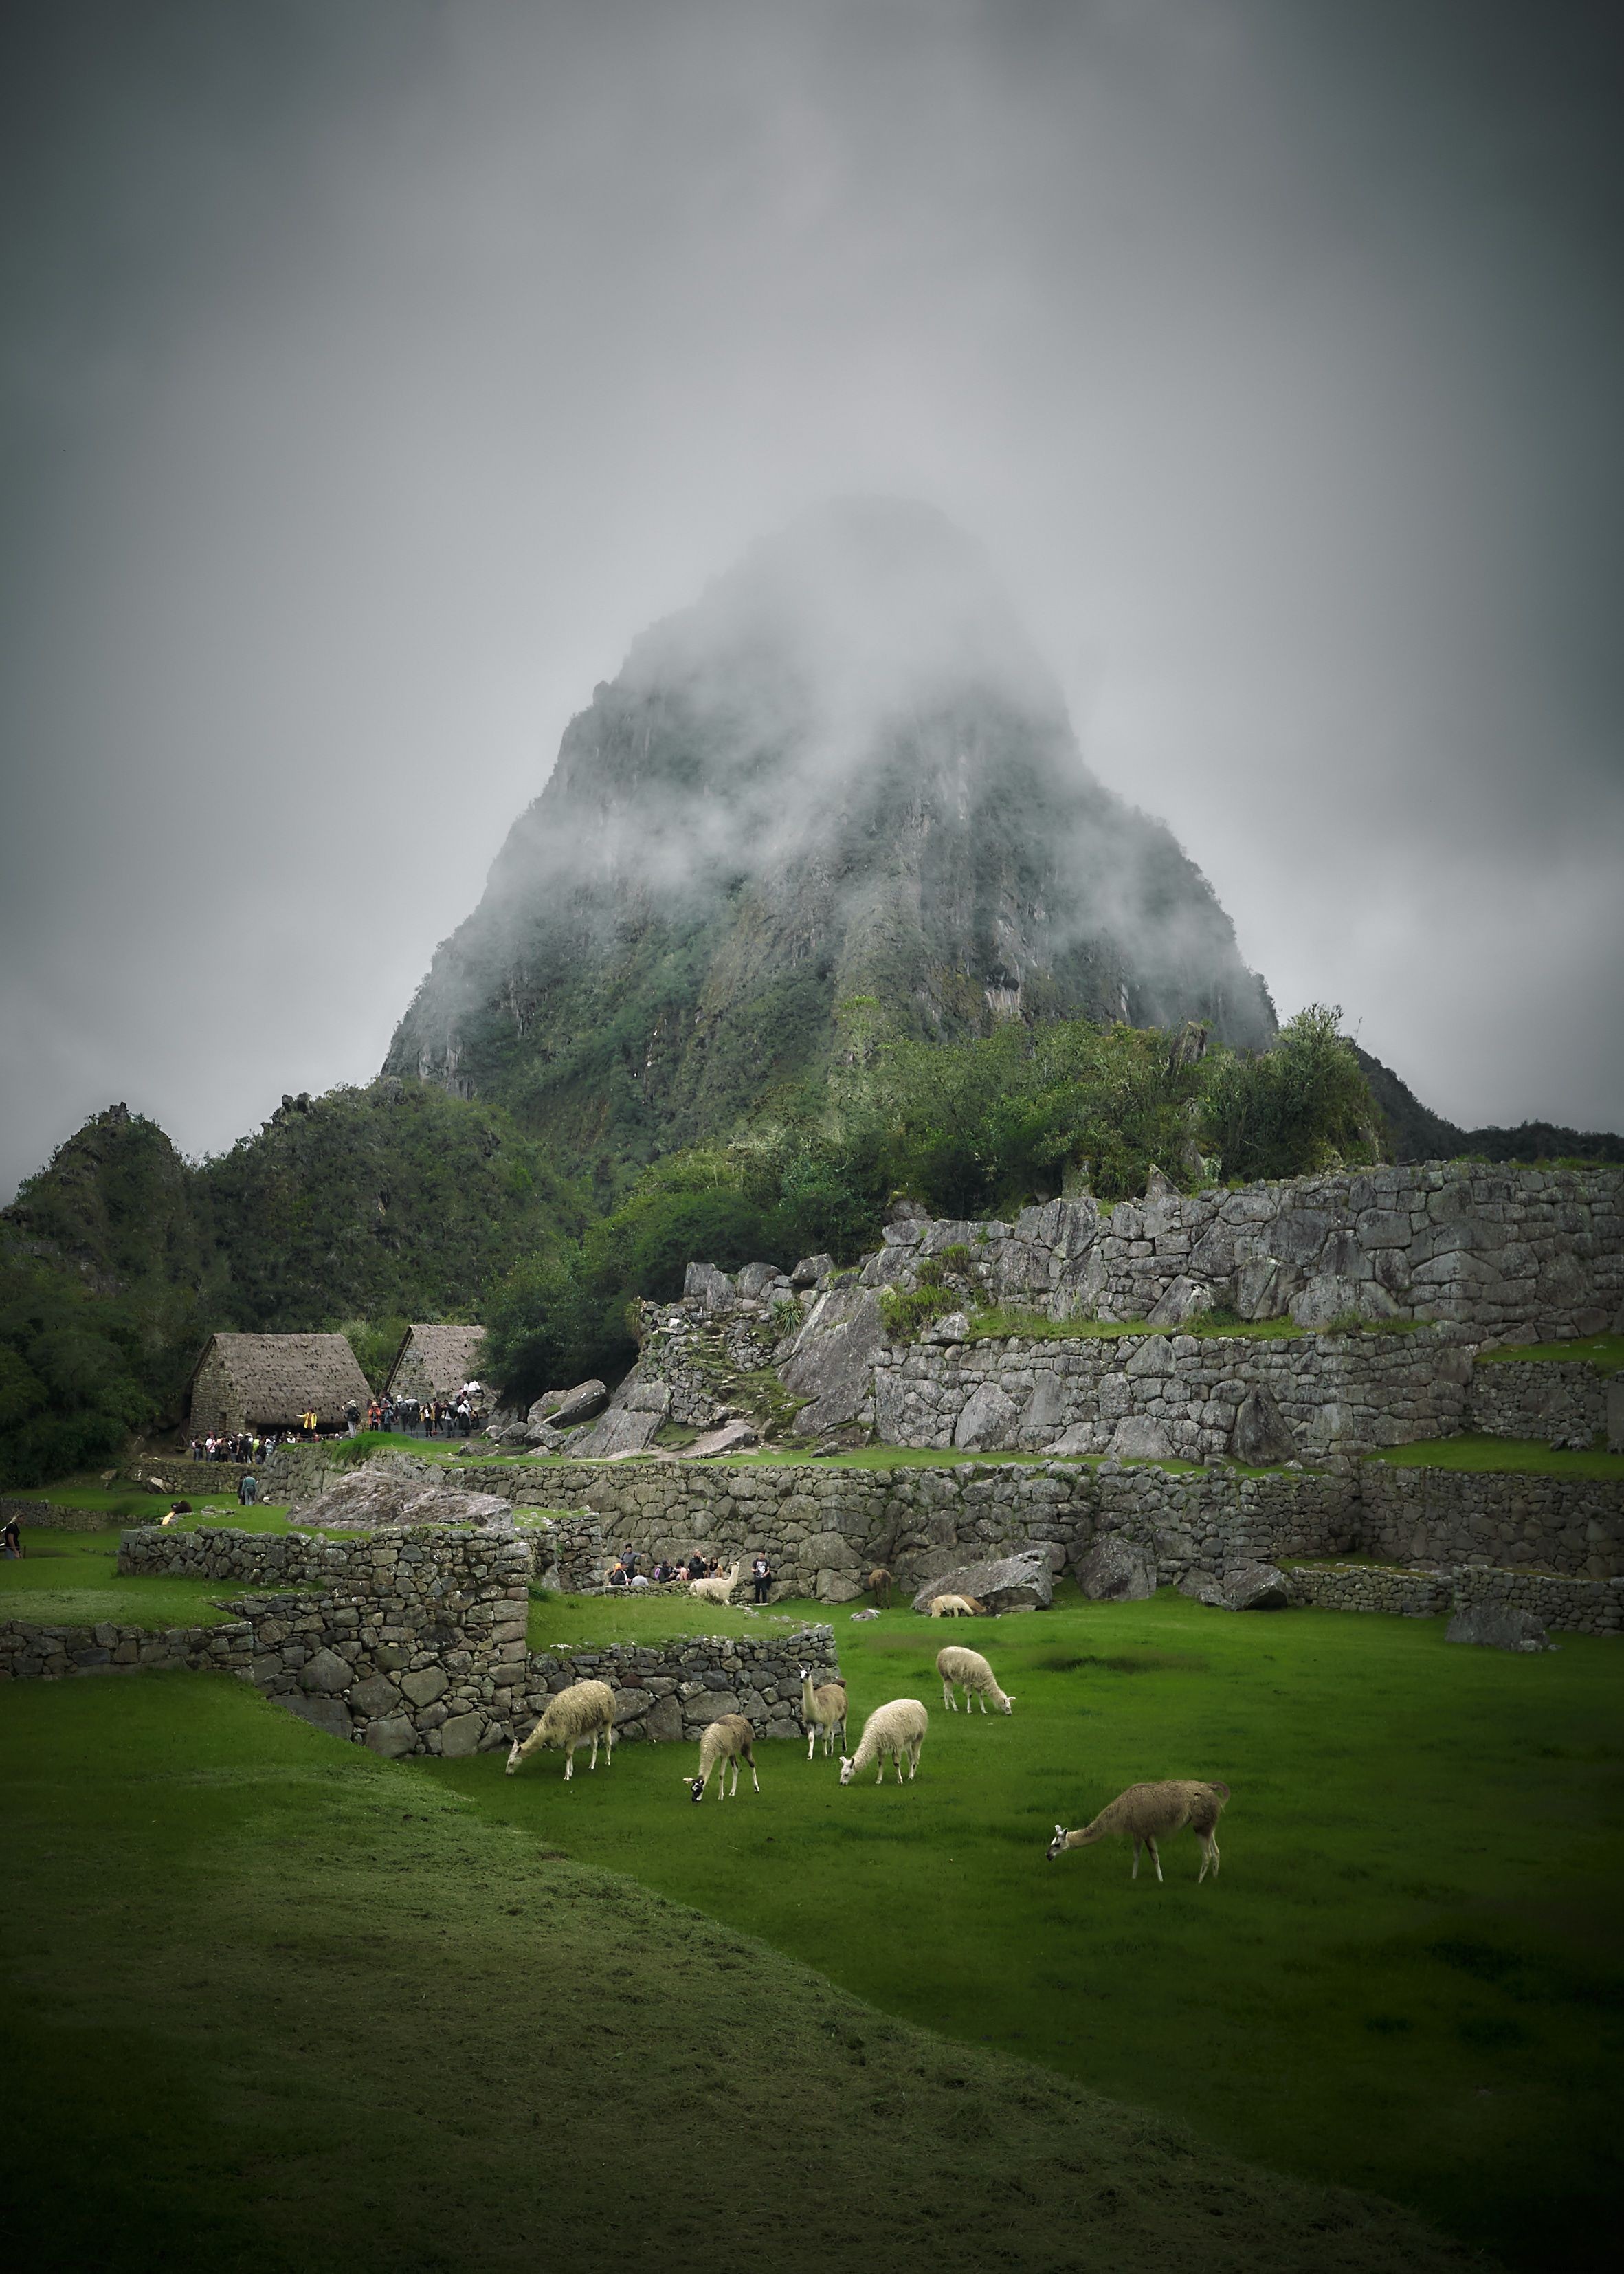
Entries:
{"x":717,"y":1589}
{"x":586,"y":1709}
{"x":824,"y":1709}
{"x":955,"y":1606}
{"x":970,"y":1671}
{"x":723,"y":1740}
{"x":1148,"y":1812}
{"x":897,"y":1730}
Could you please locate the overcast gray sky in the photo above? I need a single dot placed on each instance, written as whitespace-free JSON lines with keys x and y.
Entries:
{"x":374,"y":370}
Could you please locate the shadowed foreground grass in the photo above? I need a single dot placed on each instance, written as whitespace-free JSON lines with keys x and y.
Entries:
{"x":1407,"y":1978}
{"x":272,"y":2004}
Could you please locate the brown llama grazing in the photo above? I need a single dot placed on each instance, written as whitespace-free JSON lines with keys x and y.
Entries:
{"x":879,"y":1585}
{"x":1148,"y":1812}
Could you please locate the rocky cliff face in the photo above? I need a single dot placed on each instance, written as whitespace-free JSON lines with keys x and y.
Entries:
{"x":841,"y":774}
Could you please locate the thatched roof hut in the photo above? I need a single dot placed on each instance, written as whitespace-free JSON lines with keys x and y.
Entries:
{"x":269,"y":1382}
{"x":436,"y":1361}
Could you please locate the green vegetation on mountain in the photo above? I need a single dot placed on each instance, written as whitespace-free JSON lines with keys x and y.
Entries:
{"x":971,"y":1129}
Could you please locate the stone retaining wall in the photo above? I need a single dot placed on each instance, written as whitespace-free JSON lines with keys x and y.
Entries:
{"x":179,"y":1474}
{"x":1512,"y":1254}
{"x":1339,"y":1395}
{"x":1562,"y":1401}
{"x":47,"y":1653}
{"x":53,"y":1516}
{"x":1568,"y":1606}
{"x":670,"y":1690}
{"x":1573,"y":1525}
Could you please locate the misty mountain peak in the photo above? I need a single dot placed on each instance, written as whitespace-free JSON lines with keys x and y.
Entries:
{"x":844,"y":770}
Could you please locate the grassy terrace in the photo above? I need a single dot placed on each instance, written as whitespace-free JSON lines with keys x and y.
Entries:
{"x":280,"y":2006}
{"x":1510,"y":1455}
{"x":70,"y":1578}
{"x":1605,"y":1352}
{"x":1407,"y":1978}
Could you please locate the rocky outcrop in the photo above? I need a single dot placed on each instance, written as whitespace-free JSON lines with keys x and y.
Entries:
{"x":1492,"y":1626}
{"x":1115,"y":1571}
{"x":831,"y":1363}
{"x":1022,"y":1582}
{"x":385,"y":1493}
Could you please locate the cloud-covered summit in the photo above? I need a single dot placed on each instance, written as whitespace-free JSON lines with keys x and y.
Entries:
{"x":842,"y":771}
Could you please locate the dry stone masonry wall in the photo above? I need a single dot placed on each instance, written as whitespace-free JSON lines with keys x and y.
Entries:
{"x":1561,"y":1402}
{"x":1573,"y":1606}
{"x":670,"y":1690}
{"x":1570,"y":1525}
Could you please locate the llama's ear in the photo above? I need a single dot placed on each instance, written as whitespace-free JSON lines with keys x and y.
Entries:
{"x":1060,"y":1832}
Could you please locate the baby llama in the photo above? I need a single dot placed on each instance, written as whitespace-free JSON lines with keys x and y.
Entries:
{"x":725,"y":1739}
{"x":968,"y":1670}
{"x":586,"y":1709}
{"x":897,"y":1730}
{"x":824,"y":1709}
{"x":1148,"y":1812}
{"x":955,"y":1606}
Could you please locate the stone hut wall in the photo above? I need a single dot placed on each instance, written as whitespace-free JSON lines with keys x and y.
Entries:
{"x":1567,"y":1524}
{"x":1562,"y":1401}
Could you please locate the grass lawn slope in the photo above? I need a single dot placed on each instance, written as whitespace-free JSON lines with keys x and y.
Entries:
{"x":1407,"y":1978}
{"x":271,"y":2003}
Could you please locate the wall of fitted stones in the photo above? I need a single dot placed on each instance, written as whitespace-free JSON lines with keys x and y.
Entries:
{"x":1342,"y":1395}
{"x":416,"y":1643}
{"x":179,"y":1476}
{"x":1563,"y":1402}
{"x":667,"y":1691}
{"x":1566,"y":1605}
{"x":1568,"y":1525}
{"x":823,"y":1529}
{"x":1512,"y":1253}
{"x":34,"y":1652}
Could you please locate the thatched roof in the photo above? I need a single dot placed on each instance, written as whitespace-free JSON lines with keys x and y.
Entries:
{"x":275,"y":1378}
{"x":438,"y":1359}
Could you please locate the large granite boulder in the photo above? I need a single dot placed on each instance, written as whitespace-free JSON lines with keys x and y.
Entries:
{"x":382,"y":1493}
{"x":831,"y":1360}
{"x":1010,"y":1582}
{"x":561,"y":1407}
{"x":1262,"y":1434}
{"x":712,"y":1288}
{"x":758,"y":1281}
{"x":623,"y":1429}
{"x":1496,"y":1626}
{"x":1184,"y":1299}
{"x":1115,"y":1571}
{"x":1140,"y":1437}
{"x":1242,"y":1587}
{"x":732,"y":1437}
{"x":987,"y":1420}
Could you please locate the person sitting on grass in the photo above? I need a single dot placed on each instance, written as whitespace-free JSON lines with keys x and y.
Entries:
{"x":617,"y":1575}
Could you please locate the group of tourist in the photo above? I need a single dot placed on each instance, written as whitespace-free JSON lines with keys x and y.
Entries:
{"x":456,"y":1416}
{"x":242,"y":1446}
{"x":624,"y":1571}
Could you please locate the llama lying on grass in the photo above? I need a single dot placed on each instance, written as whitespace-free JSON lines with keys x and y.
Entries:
{"x":879,"y":1585}
{"x":824,"y":1709}
{"x":956,"y":1607}
{"x":1148,"y":1812}
{"x":970,"y":1672}
{"x":716,"y":1589}
{"x":586,"y":1709}
{"x":897,"y":1730}
{"x":725,"y":1739}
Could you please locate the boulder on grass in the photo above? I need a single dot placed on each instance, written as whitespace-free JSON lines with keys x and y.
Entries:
{"x":1496,"y":1626}
{"x":1242,"y":1587}
{"x":560,"y":1407}
{"x":1010,"y":1583}
{"x":1115,"y":1571}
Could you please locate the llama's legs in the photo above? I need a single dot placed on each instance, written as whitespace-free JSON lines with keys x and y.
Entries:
{"x":569,"y":1760}
{"x":811,"y":1739}
{"x":1134,"y":1874}
{"x":609,"y":1746}
{"x":755,"y":1779}
{"x":592,"y":1764}
{"x":947,"y":1698}
{"x":1155,"y":1857}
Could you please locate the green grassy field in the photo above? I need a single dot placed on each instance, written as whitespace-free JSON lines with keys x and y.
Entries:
{"x":1515,"y":1455}
{"x":1407,"y":1978}
{"x":273,"y":2005}
{"x":70,"y":1578}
